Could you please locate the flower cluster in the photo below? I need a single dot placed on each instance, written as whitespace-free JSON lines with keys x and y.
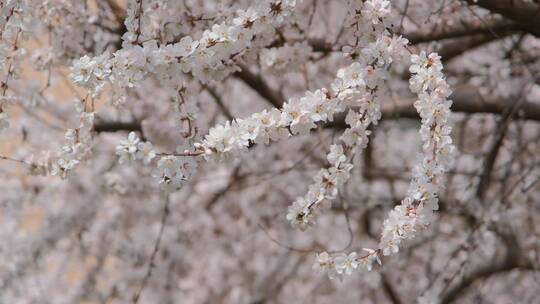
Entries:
{"x":77,"y":146}
{"x":361,"y":80}
{"x":212,"y":57}
{"x":376,"y":11}
{"x":428,"y":82}
{"x":417,"y":207}
{"x":302,"y":213}
{"x":367,"y":19}
{"x":133,"y":148}
{"x":298,"y":116}
{"x":342,"y":264}
{"x":173,"y":171}
{"x":91,"y":73}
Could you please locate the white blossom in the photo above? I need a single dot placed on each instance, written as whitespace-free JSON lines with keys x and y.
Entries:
{"x":63,"y":167}
{"x":91,"y":73}
{"x":416,"y":209}
{"x":169,"y":174}
{"x":336,"y":156}
{"x":127,"y":149}
{"x":145,"y":151}
{"x":346,"y":264}
{"x":376,"y":10}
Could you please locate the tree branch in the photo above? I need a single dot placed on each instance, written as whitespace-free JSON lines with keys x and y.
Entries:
{"x":523,"y":13}
{"x":257,"y":83}
{"x":466,"y":99}
{"x":464,"y":29}
{"x":152,"y":262}
{"x":389,"y":289}
{"x":219,"y":102}
{"x":114,"y":126}
{"x":513,"y":260}
{"x":450,"y":50}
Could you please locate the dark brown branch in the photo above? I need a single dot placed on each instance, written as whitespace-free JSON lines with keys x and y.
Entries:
{"x":321,"y":45}
{"x":259,"y":85}
{"x":152,"y":263}
{"x":219,"y":102}
{"x":507,"y":117}
{"x":491,"y":157}
{"x":389,"y":289}
{"x":525,"y":14}
{"x":472,"y":34}
{"x":466,"y":99}
{"x":234,"y":179}
{"x":480,"y":274}
{"x":463,"y":30}
{"x":114,"y":126}
{"x":513,"y":260}
{"x":453,"y":49}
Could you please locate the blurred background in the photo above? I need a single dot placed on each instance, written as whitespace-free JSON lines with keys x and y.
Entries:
{"x":109,"y":235}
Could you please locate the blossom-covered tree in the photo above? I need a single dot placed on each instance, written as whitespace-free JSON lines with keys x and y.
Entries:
{"x":273,"y":151}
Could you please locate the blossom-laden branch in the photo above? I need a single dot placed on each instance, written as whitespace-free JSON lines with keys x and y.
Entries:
{"x":13,"y":24}
{"x":355,"y":88}
{"x":212,"y":57}
{"x":365,"y":77}
{"x":416,"y":209}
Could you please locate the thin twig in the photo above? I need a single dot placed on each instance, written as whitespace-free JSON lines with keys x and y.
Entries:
{"x":152,"y":264}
